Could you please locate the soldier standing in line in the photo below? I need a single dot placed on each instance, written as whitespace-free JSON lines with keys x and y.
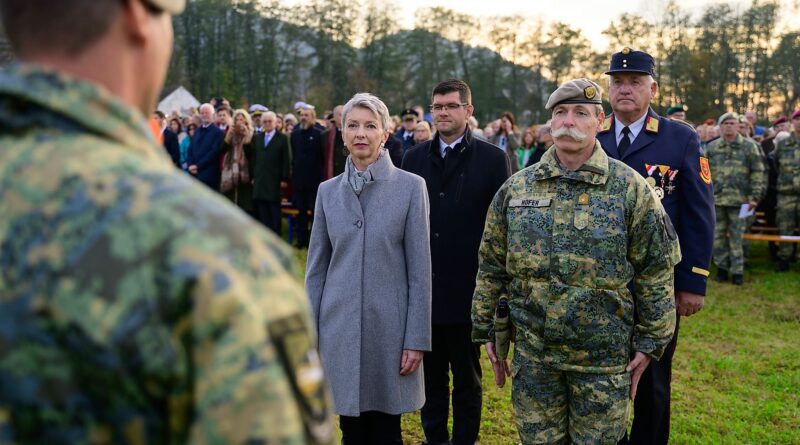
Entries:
{"x":740,"y":179}
{"x":667,"y":154}
{"x":138,"y":307}
{"x":563,"y":239}
{"x":787,"y":160}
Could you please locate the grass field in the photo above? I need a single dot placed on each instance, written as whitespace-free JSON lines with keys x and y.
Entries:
{"x":736,"y":372}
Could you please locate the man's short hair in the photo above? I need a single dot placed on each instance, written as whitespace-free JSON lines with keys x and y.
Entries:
{"x":72,"y":26}
{"x":451,"y":85}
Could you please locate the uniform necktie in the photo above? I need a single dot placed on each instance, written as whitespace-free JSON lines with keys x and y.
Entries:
{"x":625,"y":142}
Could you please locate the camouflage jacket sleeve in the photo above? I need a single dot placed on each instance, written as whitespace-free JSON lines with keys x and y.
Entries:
{"x":492,"y":279}
{"x":653,"y":251}
{"x":758,"y":175}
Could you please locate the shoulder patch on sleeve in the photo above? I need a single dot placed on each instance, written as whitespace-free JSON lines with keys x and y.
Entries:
{"x":705,"y":170}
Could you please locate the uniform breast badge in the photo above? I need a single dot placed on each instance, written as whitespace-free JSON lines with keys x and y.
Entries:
{"x":650,"y":169}
{"x":664,"y":172}
{"x":671,"y":185}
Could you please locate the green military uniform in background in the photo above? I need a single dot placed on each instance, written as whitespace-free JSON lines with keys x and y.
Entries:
{"x":563,"y":245}
{"x":787,"y":158}
{"x":739,"y":178}
{"x":136,"y":307}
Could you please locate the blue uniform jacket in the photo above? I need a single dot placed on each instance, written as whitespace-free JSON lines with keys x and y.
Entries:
{"x":204,"y":152}
{"x":669,"y":152}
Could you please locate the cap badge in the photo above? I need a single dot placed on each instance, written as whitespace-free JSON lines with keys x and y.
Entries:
{"x":589,"y":92}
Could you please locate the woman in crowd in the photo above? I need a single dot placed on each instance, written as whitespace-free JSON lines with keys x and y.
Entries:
{"x":526,"y":150}
{"x":507,"y":138}
{"x":368,"y":277}
{"x":237,"y":162}
{"x":422,"y":132}
{"x":184,"y":144}
{"x":289,"y":121}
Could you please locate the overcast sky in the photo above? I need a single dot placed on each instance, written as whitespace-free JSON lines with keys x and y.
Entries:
{"x":590,"y":16}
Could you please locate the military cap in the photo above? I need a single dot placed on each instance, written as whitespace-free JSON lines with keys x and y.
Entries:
{"x":302,"y":106}
{"x":173,"y":7}
{"x":727,"y":116}
{"x":675,"y":109}
{"x":630,"y":61}
{"x":257,"y":110}
{"x":796,"y":114}
{"x":780,"y":120}
{"x":577,"y":91}
{"x":409,"y":112}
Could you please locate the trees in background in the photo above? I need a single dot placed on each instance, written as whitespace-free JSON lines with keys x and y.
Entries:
{"x":322,"y":51}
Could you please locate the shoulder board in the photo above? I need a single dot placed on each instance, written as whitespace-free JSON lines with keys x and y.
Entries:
{"x":651,"y":125}
{"x":606,"y":125}
{"x":680,"y":121}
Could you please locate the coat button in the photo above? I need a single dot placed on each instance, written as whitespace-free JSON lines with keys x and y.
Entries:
{"x":433,"y":275}
{"x":441,"y":194}
{"x":436,"y":235}
{"x":358,"y":223}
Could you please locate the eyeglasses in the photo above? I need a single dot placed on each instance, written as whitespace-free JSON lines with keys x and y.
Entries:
{"x":436,"y":108}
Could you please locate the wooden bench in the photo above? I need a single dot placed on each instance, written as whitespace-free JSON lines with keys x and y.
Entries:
{"x":290,"y":212}
{"x":771,"y":238}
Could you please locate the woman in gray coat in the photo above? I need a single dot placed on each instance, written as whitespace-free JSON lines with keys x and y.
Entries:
{"x":369,"y":280}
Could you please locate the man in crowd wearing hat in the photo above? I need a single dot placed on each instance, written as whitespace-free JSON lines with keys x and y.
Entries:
{"x":739,"y":178}
{"x":307,"y":168}
{"x":667,"y":154}
{"x":137,"y":306}
{"x":677,"y":112}
{"x":787,"y":160}
{"x":406,"y":132}
{"x":563,"y":239}
{"x":256,"y":111}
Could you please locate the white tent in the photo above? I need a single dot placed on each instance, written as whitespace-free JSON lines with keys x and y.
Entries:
{"x":179,"y":100}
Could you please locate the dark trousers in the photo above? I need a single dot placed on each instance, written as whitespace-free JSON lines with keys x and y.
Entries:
{"x":304,"y":201}
{"x":651,"y":406}
{"x":269,"y":213}
{"x":452,"y":349}
{"x":371,"y":428}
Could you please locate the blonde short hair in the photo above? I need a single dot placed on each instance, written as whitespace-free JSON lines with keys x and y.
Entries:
{"x":371,"y":103}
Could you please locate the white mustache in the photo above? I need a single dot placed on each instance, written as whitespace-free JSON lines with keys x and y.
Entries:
{"x":571,"y":132}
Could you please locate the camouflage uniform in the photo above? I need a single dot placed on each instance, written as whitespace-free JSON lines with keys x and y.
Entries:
{"x":787,"y":157}
{"x":564,"y":246}
{"x":136,"y":307}
{"x":739,"y":177}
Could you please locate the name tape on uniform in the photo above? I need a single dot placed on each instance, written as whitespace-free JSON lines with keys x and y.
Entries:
{"x":544,"y":202}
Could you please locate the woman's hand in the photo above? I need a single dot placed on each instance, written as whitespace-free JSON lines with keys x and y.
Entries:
{"x":410,"y":361}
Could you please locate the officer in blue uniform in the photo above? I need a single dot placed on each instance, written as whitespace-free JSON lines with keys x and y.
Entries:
{"x":667,"y":154}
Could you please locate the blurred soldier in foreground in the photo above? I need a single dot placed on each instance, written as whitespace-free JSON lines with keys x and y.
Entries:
{"x":563,"y":239}
{"x":136,"y":306}
{"x":739,"y":179}
{"x":787,"y":160}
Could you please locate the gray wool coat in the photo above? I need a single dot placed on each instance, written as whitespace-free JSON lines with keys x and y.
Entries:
{"x":368,"y":276}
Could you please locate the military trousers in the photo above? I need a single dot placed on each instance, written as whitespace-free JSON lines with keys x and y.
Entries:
{"x":728,"y":251}
{"x":788,"y":219}
{"x":552,"y":406}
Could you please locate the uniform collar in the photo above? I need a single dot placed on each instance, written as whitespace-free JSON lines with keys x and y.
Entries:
{"x":84,"y":104}
{"x":593,"y":171}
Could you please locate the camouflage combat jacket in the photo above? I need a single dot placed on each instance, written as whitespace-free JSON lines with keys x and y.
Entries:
{"x":563,"y":245}
{"x":136,"y":306}
{"x":739,"y":171}
{"x":787,"y":157}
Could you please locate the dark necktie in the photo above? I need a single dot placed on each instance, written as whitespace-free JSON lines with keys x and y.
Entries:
{"x":625,"y":142}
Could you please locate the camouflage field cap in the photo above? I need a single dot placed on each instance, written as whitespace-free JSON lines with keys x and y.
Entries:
{"x":577,"y":91}
{"x":173,"y":7}
{"x":727,"y":116}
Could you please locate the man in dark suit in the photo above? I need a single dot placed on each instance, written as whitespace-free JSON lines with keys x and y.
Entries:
{"x":667,"y":154}
{"x":271,"y":169}
{"x":335,"y":153}
{"x":203,"y":156}
{"x":307,"y":166}
{"x":170,"y":141}
{"x":462,"y":174}
{"x":406,"y":132}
